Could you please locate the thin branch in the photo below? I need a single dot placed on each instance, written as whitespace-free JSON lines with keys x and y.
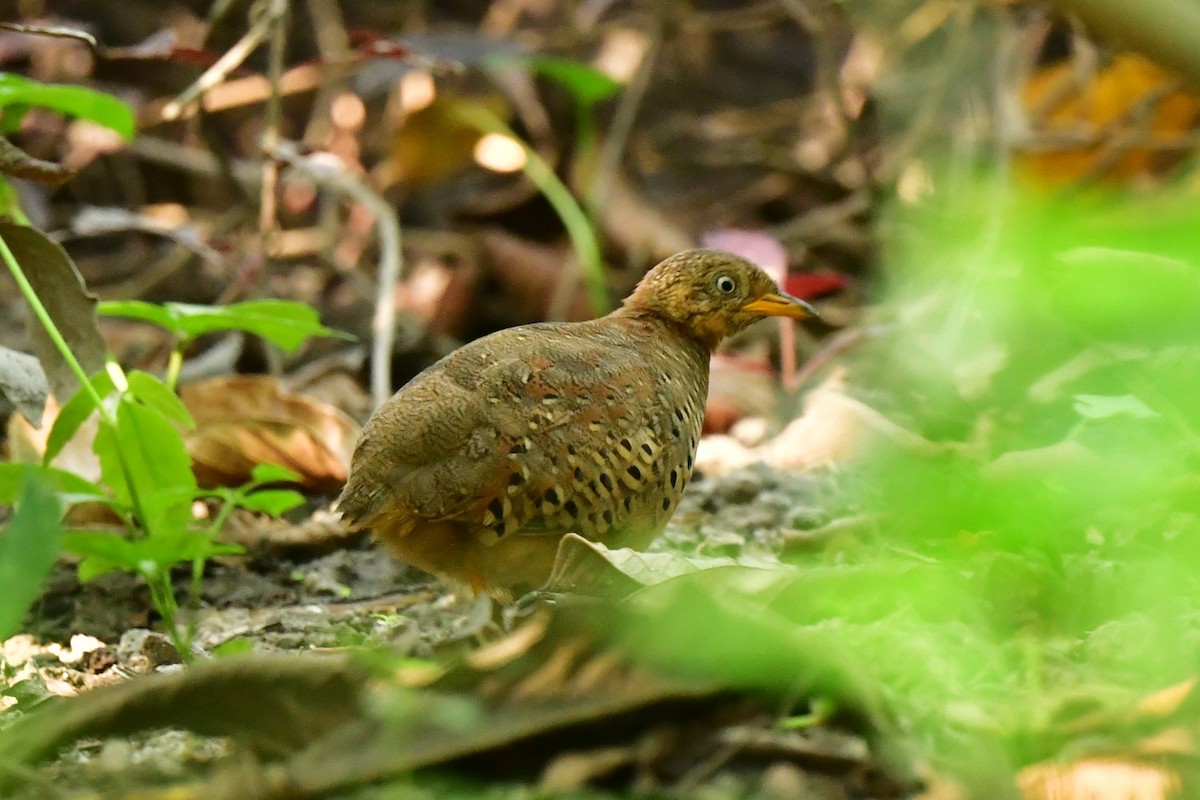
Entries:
{"x":268,"y":202}
{"x":232,"y":59}
{"x":16,"y":162}
{"x":329,"y":173}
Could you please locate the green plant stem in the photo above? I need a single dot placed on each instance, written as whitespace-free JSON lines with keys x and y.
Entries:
{"x":162,"y":597}
{"x":574,"y":218}
{"x":160,"y":587}
{"x":228,"y":504}
{"x":52,"y":331}
{"x":175,"y":364}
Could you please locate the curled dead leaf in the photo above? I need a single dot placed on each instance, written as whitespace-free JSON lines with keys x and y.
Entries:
{"x":246,"y":420}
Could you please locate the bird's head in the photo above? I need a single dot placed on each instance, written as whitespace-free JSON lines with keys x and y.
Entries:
{"x":710,"y":295}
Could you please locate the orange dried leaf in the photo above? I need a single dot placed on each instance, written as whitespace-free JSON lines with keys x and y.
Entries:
{"x":1130,"y":97}
{"x":245,"y":420}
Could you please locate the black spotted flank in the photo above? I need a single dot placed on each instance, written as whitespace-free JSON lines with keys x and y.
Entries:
{"x":666,"y":504}
{"x":571,"y":508}
{"x":516,"y":479}
{"x":628,"y":445}
{"x":674,"y":478}
{"x":579,"y":475}
{"x":496,"y":507}
{"x":608,"y":517}
{"x":635,"y":473}
{"x":606,"y":481}
{"x":647,"y":449}
{"x":551,"y":497}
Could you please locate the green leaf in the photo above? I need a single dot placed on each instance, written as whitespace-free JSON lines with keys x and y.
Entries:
{"x":273,"y":473}
{"x":181,"y":546}
{"x":271,"y":501}
{"x":238,"y":645}
{"x":73,"y":414}
{"x":159,"y":470}
{"x":141,"y":310}
{"x":281,"y":322}
{"x":29,"y":546}
{"x":1095,"y":406}
{"x":106,"y":551}
{"x":69,"y":486}
{"x":75,"y":101}
{"x":155,"y":394}
{"x":588,"y":84}
{"x":100,"y":552}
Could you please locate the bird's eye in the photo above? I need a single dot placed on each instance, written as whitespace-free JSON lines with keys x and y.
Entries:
{"x":725,"y":284}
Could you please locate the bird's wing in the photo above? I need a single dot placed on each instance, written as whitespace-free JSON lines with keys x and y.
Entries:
{"x":528,"y":429}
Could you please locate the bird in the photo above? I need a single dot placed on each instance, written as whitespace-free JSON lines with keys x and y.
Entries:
{"x":477,"y":468}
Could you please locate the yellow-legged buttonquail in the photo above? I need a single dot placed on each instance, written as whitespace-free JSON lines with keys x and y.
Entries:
{"x":477,"y":468}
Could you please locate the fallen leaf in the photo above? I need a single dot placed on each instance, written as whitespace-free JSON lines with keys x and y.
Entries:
{"x":246,"y":420}
{"x":1127,"y":119}
{"x":70,"y":305}
{"x":587,"y":567}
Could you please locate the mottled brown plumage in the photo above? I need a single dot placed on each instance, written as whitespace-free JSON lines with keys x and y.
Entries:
{"x":476,"y":468}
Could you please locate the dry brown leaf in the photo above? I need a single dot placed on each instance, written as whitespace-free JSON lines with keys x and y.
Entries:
{"x":246,"y":420}
{"x":1131,"y":97}
{"x":1097,"y":779}
{"x":59,"y":286}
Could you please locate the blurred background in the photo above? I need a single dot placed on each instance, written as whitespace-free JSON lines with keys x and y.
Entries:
{"x":980,"y":469}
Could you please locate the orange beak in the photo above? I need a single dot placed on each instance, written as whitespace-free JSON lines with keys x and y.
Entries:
{"x":781,"y":305}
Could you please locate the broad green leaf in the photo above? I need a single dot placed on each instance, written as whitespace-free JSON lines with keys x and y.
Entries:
{"x":100,"y":552}
{"x":273,"y":473}
{"x":272,"y":501}
{"x":181,"y":546}
{"x":106,"y":551}
{"x":588,"y":84}
{"x":75,"y":101}
{"x":155,"y":394}
{"x":73,"y":414}
{"x":153,"y":313}
{"x":281,"y":322}
{"x":238,"y":645}
{"x":159,"y":470}
{"x":68,"y":485}
{"x":29,"y":546}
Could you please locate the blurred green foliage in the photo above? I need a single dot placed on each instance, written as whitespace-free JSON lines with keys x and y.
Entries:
{"x":1039,"y":561}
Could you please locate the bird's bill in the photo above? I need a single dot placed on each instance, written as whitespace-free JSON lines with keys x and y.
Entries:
{"x":781,"y":305}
